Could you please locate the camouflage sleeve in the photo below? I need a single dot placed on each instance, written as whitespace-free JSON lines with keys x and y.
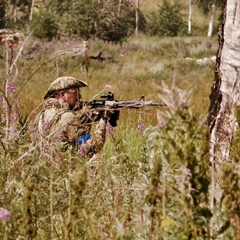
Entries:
{"x":95,"y":143}
{"x":73,"y":126}
{"x":69,"y":126}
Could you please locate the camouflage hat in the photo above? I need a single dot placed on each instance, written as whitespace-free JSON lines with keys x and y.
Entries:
{"x":64,"y":83}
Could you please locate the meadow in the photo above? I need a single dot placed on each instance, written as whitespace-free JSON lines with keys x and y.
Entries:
{"x":131,"y":70}
{"x":151,"y":180}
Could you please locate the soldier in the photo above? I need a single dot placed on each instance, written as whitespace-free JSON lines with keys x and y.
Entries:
{"x":61,"y":123}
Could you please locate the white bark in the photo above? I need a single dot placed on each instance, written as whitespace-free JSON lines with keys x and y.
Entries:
{"x":212,"y":20}
{"x":31,"y":11}
{"x":119,"y":6}
{"x":137,"y":16}
{"x":190,"y":17}
{"x":227,"y":81}
{"x":224,"y":97}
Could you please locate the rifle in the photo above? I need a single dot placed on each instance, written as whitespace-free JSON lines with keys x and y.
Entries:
{"x":113,"y":106}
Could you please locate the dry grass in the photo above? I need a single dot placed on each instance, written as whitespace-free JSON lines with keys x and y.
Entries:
{"x":131,"y":71}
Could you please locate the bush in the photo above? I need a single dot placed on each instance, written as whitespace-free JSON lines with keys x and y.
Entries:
{"x":45,"y":24}
{"x":102,"y":20}
{"x":167,"y":20}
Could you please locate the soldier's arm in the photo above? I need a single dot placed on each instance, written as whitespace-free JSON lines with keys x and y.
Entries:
{"x":96,"y":142}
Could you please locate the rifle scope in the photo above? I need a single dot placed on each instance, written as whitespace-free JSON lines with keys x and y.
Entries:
{"x":109,"y":96}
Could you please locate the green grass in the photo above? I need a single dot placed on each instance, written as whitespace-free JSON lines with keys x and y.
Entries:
{"x":130,"y":71}
{"x":145,"y":184}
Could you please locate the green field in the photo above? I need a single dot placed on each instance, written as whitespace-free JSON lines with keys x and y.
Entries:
{"x":152,"y":178}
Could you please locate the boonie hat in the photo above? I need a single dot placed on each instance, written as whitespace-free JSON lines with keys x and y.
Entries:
{"x":62,"y":83}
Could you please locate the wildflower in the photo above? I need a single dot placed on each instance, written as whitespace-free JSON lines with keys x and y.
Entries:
{"x":1,"y":99}
{"x":162,"y":124}
{"x":179,"y":104}
{"x":46,"y":125}
{"x":33,"y":127}
{"x":185,"y":176}
{"x":109,"y":128}
{"x":11,"y":87}
{"x":14,"y":133}
{"x":5,"y":215}
{"x":82,"y":151}
{"x":186,"y":172}
{"x":14,"y":116}
{"x":100,"y":226}
{"x":63,"y":194}
{"x":141,"y":127}
{"x":59,"y":138}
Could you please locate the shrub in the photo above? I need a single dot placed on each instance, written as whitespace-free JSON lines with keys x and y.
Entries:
{"x":45,"y":24}
{"x":167,"y":20}
{"x":106,"y":21}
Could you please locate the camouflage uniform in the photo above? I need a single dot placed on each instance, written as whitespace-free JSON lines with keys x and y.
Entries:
{"x":58,"y":123}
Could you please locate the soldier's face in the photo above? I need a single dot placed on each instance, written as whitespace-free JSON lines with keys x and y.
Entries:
{"x":72,"y":96}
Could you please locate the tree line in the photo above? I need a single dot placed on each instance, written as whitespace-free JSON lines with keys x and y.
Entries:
{"x":107,"y":20}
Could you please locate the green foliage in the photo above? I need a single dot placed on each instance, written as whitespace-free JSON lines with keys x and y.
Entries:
{"x":79,"y":20}
{"x":167,"y":20}
{"x":147,"y":183}
{"x":45,"y":24}
{"x":2,"y":13}
{"x":179,"y":155}
{"x":112,"y":24}
{"x":231,"y":189}
{"x":105,"y":21}
{"x":205,"y":5}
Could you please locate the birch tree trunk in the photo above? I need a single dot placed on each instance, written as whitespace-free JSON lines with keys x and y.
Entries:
{"x":31,"y":10}
{"x":212,"y":20}
{"x":137,"y":16}
{"x":190,"y":17}
{"x":119,"y":6}
{"x":223,"y":100}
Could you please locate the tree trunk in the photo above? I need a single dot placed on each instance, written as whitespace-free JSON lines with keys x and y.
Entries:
{"x":212,"y":19}
{"x":137,"y":16}
{"x":190,"y":17}
{"x":31,"y":10}
{"x":223,"y":100}
{"x":119,"y":6}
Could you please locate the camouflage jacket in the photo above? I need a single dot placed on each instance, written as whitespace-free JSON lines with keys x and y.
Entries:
{"x":60,"y":124}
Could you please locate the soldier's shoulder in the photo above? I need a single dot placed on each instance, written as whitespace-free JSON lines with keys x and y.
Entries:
{"x":68,"y":116}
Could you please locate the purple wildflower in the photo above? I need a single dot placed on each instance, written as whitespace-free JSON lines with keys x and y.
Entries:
{"x":59,"y":138}
{"x":11,"y":87}
{"x":82,"y":151}
{"x":63,"y":195}
{"x":162,"y":124}
{"x":33,"y":127}
{"x":185,"y":176}
{"x":14,"y":116}
{"x":5,"y":215}
{"x":100,"y":226}
{"x":1,"y":99}
{"x":14,"y":132}
{"x":46,"y":125}
{"x":186,"y":173}
{"x":109,"y":128}
{"x":141,"y":127}
{"x":179,"y":104}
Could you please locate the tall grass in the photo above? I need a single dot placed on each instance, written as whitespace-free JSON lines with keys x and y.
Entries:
{"x":150,"y":181}
{"x":129,"y":69}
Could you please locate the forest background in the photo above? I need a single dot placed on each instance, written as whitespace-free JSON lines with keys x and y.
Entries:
{"x":152,"y":179}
